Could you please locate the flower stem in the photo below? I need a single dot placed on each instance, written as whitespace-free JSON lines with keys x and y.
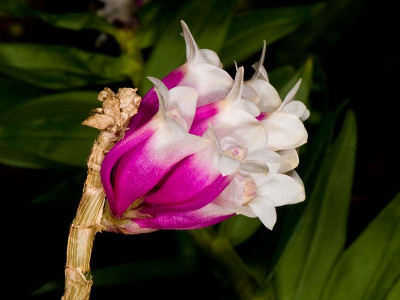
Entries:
{"x":87,"y":222}
{"x":225,"y":256}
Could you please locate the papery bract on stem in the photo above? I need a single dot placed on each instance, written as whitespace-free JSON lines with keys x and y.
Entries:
{"x":204,"y":147}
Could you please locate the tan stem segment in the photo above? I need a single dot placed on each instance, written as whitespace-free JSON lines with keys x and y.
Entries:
{"x":111,"y":120}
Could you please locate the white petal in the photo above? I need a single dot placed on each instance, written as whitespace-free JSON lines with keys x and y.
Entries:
{"x":209,"y":57}
{"x":282,"y":189}
{"x":292,"y":93}
{"x":240,"y":191}
{"x":285,"y":131}
{"x":295,"y":176}
{"x":184,"y":100}
{"x":264,"y":155}
{"x":254,"y":166}
{"x":289,"y":160}
{"x":249,"y":107}
{"x":212,"y":83}
{"x":265,"y":211}
{"x":250,"y":94}
{"x":305,"y":115}
{"x":231,"y":120}
{"x":269,"y":97}
{"x":228,"y":165}
{"x":251,"y":136}
{"x":171,"y":135}
{"x":295,"y":107}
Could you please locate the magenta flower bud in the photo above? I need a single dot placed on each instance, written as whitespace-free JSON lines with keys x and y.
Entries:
{"x":204,"y":147}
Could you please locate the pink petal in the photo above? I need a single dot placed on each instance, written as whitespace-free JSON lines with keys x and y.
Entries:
{"x":135,"y":140}
{"x":206,"y":216}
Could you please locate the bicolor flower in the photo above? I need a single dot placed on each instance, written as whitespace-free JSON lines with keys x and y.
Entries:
{"x":204,"y":147}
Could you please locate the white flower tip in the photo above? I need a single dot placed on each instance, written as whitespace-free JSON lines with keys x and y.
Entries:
{"x":236,"y":66}
{"x":259,"y":66}
{"x":192,"y":51}
{"x":235,"y":94}
{"x":162,"y":93}
{"x":290,"y":96}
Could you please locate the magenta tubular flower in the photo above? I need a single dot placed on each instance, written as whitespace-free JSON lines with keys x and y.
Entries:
{"x":204,"y":147}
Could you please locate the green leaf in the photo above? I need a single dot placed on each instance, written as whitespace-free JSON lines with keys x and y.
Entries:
{"x":394,"y":293}
{"x":13,"y":92}
{"x":60,"y":67}
{"x":280,"y":76}
{"x":71,"y":21}
{"x":248,"y":31}
{"x":77,"y":21}
{"x":319,"y":237}
{"x":49,"y":128}
{"x":14,"y":156}
{"x":208,"y":22}
{"x":370,"y":267}
{"x":154,"y":16}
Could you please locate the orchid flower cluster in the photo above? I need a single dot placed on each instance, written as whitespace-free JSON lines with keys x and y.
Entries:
{"x":204,"y":147}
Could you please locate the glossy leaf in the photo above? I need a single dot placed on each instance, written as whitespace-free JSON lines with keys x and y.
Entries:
{"x":369,"y":268}
{"x":49,"y":128}
{"x":247,"y":32}
{"x":60,"y":67}
{"x":319,"y":237}
{"x":208,"y":28}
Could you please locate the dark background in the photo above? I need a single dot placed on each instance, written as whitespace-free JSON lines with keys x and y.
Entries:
{"x":357,"y":52}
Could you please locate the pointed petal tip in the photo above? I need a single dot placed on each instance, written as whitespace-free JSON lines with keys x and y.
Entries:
{"x":162,"y":93}
{"x":239,"y":77}
{"x":292,"y":93}
{"x":159,"y":85}
{"x":259,"y":66}
{"x":192,"y":51}
{"x":235,"y":94}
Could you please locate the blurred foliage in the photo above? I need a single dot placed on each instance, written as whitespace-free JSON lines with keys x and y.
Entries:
{"x":41,"y":110}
